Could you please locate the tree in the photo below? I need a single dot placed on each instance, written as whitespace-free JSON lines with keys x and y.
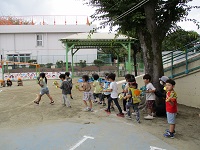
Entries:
{"x":178,"y":39}
{"x":150,"y":21}
{"x":98,"y":63}
{"x":82,"y":63}
{"x":14,"y":21}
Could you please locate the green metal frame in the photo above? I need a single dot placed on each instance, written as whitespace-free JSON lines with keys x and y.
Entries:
{"x":185,"y":56}
{"x":94,"y":44}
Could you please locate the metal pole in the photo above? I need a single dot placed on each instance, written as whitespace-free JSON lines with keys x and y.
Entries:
{"x":118,"y":65}
{"x":172,"y":64}
{"x":66,"y":57}
{"x":129,"y":57}
{"x":186,"y":61}
{"x":72,"y":65}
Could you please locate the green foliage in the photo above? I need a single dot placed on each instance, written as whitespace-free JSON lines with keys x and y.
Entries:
{"x":34,"y":61}
{"x":59,"y":64}
{"x":48,"y":65}
{"x":98,"y":62}
{"x":178,"y":39}
{"x":82,"y":63}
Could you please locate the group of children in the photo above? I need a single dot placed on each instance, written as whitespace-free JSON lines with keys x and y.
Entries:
{"x":9,"y":82}
{"x":109,"y":90}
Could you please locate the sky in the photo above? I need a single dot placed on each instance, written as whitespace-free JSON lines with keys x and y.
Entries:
{"x":71,"y":7}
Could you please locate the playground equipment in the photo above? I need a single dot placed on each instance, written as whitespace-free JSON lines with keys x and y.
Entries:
{"x":5,"y":63}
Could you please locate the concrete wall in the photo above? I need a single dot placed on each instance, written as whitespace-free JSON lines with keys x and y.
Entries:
{"x":187,"y":88}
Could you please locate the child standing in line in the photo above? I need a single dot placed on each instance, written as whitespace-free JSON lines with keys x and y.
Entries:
{"x":87,"y":95}
{"x":113,"y":95}
{"x":97,"y":88}
{"x":66,"y":89}
{"x":150,"y":96}
{"x":125,"y":89}
{"x":106,"y":85}
{"x":132,"y":100}
{"x":171,"y":107}
{"x":69,"y":79}
{"x":44,"y":89}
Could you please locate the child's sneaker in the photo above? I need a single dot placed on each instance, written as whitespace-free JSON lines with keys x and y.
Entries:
{"x":154,"y":114}
{"x":86,"y":109}
{"x":128,"y":117}
{"x":108,"y":112}
{"x":124,"y":112}
{"x":120,"y":115}
{"x":169,"y":135}
{"x":148,"y":117}
{"x":167,"y":130}
{"x":134,"y":113}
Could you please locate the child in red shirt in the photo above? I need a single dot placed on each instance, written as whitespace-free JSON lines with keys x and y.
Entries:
{"x":171,"y":107}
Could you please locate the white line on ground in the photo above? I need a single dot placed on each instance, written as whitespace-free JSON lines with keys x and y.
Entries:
{"x":155,"y":148}
{"x":81,"y":141}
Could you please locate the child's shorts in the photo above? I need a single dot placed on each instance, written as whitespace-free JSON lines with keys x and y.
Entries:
{"x":88,"y":96}
{"x":44,"y":91}
{"x":171,"y":118}
{"x":150,"y":104}
{"x":97,"y":95}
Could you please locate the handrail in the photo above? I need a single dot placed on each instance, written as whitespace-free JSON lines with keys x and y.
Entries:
{"x":176,"y":56}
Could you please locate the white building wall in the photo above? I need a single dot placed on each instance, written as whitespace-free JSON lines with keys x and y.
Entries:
{"x":22,"y":40}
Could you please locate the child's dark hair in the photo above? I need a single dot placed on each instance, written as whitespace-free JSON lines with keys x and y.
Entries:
{"x":133,"y":84}
{"x":95,"y":76}
{"x":147,"y":77}
{"x":170,"y":81}
{"x":86,"y":77}
{"x":43,"y":76}
{"x":67,"y":74}
{"x":62,"y":76}
{"x":129,"y":76}
{"x":111,"y":76}
{"x":106,"y":75}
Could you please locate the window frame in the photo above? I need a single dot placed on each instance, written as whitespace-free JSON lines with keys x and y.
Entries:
{"x":42,"y":40}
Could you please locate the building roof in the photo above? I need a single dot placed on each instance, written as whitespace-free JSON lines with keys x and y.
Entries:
{"x":45,"y":28}
{"x":97,"y":37}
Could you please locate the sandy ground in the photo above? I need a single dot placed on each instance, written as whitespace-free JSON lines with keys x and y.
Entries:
{"x":17,"y":110}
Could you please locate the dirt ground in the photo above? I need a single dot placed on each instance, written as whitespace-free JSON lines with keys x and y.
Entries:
{"x":17,"y":110}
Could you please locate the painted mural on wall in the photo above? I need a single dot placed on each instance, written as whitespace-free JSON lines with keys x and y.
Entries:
{"x":31,"y":75}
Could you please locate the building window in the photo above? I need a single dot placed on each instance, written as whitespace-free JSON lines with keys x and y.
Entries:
{"x":19,"y":58}
{"x":39,"y":40}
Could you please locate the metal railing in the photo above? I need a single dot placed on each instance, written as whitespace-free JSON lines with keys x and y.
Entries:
{"x":182,"y":57}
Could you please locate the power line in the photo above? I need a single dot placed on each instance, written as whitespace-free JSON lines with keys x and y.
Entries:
{"x":125,"y":13}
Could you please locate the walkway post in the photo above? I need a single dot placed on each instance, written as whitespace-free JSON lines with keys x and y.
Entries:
{"x":67,"y":50}
{"x":129,"y":58}
{"x":72,"y":65}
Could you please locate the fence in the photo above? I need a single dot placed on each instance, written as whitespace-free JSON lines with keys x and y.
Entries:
{"x":178,"y":63}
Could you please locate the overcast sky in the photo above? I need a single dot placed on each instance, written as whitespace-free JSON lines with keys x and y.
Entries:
{"x":69,"y":7}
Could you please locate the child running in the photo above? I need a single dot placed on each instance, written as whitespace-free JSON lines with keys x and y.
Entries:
{"x":113,"y":95}
{"x":132,"y":100}
{"x":67,"y":74}
{"x":171,"y":108}
{"x":66,"y":89}
{"x":44,"y":89}
{"x":87,"y":95}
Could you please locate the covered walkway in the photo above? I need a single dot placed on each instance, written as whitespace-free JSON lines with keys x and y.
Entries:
{"x":79,"y":41}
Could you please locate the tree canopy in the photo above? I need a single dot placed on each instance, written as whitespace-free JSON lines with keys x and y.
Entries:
{"x":178,"y":39}
{"x":14,"y":21}
{"x":150,"y":20}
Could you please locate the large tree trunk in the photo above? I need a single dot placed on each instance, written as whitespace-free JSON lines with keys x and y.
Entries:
{"x":151,"y":41}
